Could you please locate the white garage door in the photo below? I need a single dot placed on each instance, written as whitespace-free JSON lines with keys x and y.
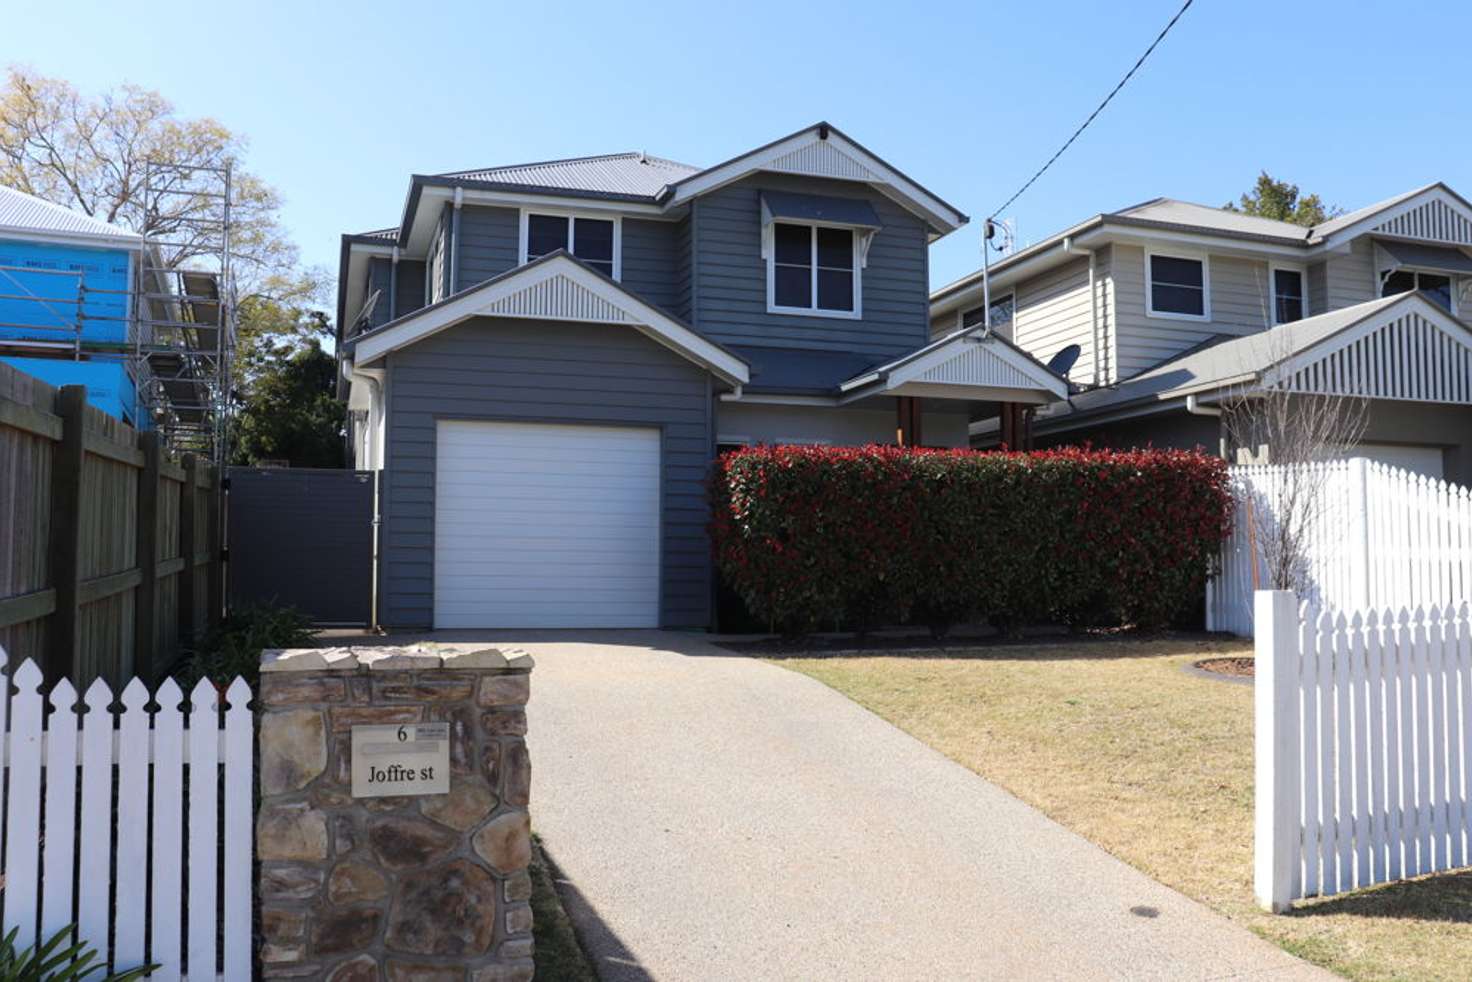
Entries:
{"x":546,"y":525}
{"x":1417,"y":460}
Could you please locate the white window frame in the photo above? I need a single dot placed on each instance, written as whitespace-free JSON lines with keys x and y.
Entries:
{"x":1273,"y":288}
{"x":573,"y":215}
{"x":1456,"y":282}
{"x":815,"y":311}
{"x":1192,"y":256}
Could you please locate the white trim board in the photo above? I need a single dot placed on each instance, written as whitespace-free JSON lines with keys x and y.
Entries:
{"x":553,"y":288}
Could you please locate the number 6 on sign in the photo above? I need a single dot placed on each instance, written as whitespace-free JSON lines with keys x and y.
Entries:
{"x":413,"y":759}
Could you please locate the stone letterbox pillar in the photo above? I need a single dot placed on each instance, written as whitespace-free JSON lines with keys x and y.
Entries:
{"x":410,"y":862}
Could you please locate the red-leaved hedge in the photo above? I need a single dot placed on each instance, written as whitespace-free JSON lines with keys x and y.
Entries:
{"x":814,"y":537}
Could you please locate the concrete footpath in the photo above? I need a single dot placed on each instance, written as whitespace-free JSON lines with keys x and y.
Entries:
{"x":717,"y":817}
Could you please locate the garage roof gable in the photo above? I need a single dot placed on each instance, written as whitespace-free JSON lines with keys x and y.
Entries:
{"x":555,"y":287}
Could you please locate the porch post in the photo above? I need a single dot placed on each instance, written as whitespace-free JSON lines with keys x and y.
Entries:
{"x":907,"y":427}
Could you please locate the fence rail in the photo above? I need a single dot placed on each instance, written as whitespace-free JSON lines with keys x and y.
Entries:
{"x":1363,"y":747}
{"x":159,"y":791}
{"x":109,"y":552}
{"x":1378,"y":537}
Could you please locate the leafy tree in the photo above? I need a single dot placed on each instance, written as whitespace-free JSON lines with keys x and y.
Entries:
{"x":1279,"y":199}
{"x":91,"y":154}
{"x":291,"y":411}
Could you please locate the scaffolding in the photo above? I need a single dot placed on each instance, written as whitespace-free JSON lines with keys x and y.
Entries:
{"x":184,"y":321}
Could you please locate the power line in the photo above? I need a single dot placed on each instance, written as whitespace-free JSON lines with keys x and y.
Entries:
{"x":1113,"y":92}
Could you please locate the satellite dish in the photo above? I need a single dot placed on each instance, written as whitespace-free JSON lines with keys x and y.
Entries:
{"x":1062,"y":363}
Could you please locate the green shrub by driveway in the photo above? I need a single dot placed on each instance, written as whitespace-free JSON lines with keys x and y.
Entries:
{"x":818,"y":536}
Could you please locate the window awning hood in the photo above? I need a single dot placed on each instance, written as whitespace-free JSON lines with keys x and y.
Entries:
{"x":1435,"y":259}
{"x":783,"y":205}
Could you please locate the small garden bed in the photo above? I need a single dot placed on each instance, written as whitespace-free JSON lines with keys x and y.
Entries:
{"x":1234,"y":668}
{"x":1118,"y":741}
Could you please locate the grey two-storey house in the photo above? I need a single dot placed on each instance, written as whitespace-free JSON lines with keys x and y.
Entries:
{"x":1179,"y":310}
{"x":544,"y":359}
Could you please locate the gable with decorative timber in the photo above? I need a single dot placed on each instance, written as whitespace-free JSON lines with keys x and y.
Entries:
{"x":558,"y":298}
{"x":1434,"y":221}
{"x":821,"y":158}
{"x":976,"y":364}
{"x":1410,"y":358}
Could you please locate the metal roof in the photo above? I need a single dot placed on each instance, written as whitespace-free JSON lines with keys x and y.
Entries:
{"x":619,"y":173}
{"x":1344,"y":221}
{"x":1443,"y":259}
{"x":1169,"y":211}
{"x":799,"y":370}
{"x":23,"y":212}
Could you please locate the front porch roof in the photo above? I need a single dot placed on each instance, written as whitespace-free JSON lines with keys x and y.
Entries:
{"x":968,"y":365}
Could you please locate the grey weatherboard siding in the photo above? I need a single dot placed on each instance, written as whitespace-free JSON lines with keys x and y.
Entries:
{"x":408,"y":294}
{"x":730,"y":285}
{"x":651,"y":263}
{"x":543,"y":371}
{"x":490,"y":243}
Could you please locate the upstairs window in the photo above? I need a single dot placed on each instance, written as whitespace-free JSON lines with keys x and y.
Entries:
{"x":1002,"y":308}
{"x":813,"y":270}
{"x":593,"y":240}
{"x":1177,"y":286}
{"x":1290,"y":302}
{"x":1437,"y":288}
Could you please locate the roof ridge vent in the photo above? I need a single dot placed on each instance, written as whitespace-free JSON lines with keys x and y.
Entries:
{"x":643,"y":157}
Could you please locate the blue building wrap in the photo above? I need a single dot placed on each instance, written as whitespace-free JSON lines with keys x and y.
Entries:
{"x":109,"y":386}
{"x":41,"y":284}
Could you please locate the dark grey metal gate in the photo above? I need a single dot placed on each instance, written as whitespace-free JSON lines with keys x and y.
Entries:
{"x":302,"y":537}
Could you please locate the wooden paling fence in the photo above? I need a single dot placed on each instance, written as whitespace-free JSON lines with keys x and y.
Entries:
{"x":200,"y":794}
{"x":1363,"y":747}
{"x":109,"y":552}
{"x":1378,"y":537}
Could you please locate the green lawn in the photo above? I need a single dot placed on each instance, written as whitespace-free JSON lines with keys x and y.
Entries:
{"x":1118,"y":742}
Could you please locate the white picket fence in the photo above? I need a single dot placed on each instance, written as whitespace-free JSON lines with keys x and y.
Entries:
{"x":157,"y":792}
{"x":1384,"y":537}
{"x":1363,"y":747}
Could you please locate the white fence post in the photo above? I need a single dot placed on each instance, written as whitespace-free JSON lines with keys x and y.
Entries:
{"x":1275,"y":834}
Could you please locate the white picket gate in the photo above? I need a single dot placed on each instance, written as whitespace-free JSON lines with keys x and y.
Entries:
{"x":1363,"y":747}
{"x":1384,"y":537}
{"x":158,"y":790}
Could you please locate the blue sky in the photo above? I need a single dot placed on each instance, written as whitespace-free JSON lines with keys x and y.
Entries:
{"x":341,"y":102}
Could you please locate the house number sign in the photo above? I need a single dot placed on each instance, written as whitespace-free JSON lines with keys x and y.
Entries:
{"x":412,"y":758}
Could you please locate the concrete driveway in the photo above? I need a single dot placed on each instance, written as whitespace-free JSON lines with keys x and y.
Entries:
{"x":717,"y":817}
